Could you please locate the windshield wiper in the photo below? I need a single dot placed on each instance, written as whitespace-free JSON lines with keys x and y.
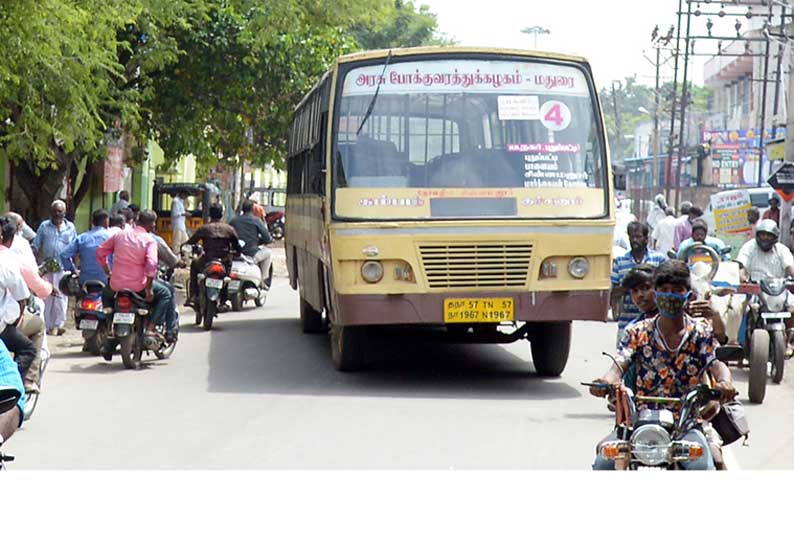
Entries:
{"x":375,"y":96}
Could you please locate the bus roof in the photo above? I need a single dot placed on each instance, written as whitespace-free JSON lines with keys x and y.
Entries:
{"x":366,"y":55}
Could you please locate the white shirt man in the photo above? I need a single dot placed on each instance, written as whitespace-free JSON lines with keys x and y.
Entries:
{"x":178,"y":230}
{"x":663,"y":234}
{"x":762,"y":264}
{"x":12,"y":290}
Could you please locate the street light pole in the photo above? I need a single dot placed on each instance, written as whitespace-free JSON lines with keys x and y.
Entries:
{"x":535,"y":30}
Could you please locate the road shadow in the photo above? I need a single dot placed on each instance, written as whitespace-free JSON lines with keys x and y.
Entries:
{"x":272,"y":356}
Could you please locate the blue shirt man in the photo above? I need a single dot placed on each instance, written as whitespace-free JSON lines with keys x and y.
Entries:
{"x":51,"y":239}
{"x":9,"y":377}
{"x":639,"y":253}
{"x":85,"y":245}
{"x":700,"y":235}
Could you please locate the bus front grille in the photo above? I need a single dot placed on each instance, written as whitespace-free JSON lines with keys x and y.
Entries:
{"x":476,"y":265}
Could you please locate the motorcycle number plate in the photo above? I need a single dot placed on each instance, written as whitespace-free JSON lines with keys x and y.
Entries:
{"x":89,"y":324}
{"x":234,"y":285}
{"x":484,"y":309}
{"x":214,"y":283}
{"x":775,"y":315}
{"x":124,"y":318}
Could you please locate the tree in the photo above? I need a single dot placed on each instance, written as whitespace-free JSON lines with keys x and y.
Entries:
{"x":402,"y":25}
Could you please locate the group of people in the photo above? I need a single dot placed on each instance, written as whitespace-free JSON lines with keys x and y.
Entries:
{"x":667,"y":337}
{"x":120,"y":250}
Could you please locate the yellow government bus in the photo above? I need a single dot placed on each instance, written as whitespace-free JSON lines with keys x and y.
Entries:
{"x":464,"y":189}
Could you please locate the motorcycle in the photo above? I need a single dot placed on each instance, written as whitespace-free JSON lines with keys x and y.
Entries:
{"x":90,"y":318}
{"x":653,"y":439}
{"x":212,"y":285}
{"x":765,"y":336}
{"x":9,"y":397}
{"x":275,"y":224}
{"x":246,"y":283}
{"x":130,"y":317}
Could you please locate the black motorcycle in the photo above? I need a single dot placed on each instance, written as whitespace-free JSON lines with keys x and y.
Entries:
{"x":212,"y":295}
{"x":90,"y":317}
{"x":653,"y":438}
{"x":130,"y":317}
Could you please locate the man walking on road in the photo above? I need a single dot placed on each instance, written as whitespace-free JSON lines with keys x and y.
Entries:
{"x":178,"y":214}
{"x":52,"y":238}
{"x":664,"y":232}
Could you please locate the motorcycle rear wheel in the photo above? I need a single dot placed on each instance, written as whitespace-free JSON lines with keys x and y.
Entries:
{"x":130,"y":352}
{"x":759,"y":354}
{"x":778,"y":355}
{"x":237,"y":303}
{"x":209,"y":314}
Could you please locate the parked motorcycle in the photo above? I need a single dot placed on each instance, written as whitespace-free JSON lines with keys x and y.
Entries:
{"x":9,"y":397}
{"x":653,"y":439}
{"x":275,"y":224}
{"x":130,"y":317}
{"x":90,"y":318}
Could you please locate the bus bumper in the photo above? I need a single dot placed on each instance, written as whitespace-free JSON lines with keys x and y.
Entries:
{"x":368,"y":309}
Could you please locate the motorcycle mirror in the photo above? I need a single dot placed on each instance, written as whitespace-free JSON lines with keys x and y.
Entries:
{"x":725,"y":250}
{"x":241,"y":243}
{"x":731,"y":352}
{"x":9,"y":397}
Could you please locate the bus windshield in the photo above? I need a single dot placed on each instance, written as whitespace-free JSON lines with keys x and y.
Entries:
{"x":450,"y":138}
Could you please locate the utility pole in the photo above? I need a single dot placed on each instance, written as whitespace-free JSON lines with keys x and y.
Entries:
{"x":684,"y":100}
{"x":656,"y":146}
{"x":671,"y":140}
{"x":788,"y":150}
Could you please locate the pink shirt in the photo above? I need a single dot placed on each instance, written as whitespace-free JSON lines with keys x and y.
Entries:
{"x":30,"y":274}
{"x":683,"y":231}
{"x":134,"y":258}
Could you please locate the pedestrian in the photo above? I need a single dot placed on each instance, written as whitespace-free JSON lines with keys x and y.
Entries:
{"x":773,"y":213}
{"x":122,"y":203}
{"x":639,"y":253}
{"x":117,"y":224}
{"x":683,"y":229}
{"x":658,"y":212}
{"x":178,"y":227}
{"x":135,"y":209}
{"x":664,"y":232}
{"x":52,"y":238}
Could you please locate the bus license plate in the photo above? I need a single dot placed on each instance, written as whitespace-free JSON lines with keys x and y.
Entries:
{"x":214,"y":283}
{"x":484,"y":309}
{"x":89,"y":324}
{"x":124,"y":318}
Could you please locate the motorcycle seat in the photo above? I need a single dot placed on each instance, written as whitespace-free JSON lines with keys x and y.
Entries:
{"x":92,"y":285}
{"x":138,"y":299}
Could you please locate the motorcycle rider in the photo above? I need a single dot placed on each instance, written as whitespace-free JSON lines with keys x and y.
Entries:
{"x":134,"y":254}
{"x":84,"y":246}
{"x":765,"y":258}
{"x":31,"y":324}
{"x":660,"y":369}
{"x":219,"y":241}
{"x":700,"y":232}
{"x":9,"y":377}
{"x":254,"y":233}
{"x":169,"y":260}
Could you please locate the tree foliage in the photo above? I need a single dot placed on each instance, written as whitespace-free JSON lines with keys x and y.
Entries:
{"x":400,"y":25}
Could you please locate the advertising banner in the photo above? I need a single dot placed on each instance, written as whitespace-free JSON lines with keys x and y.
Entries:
{"x":730,"y":212}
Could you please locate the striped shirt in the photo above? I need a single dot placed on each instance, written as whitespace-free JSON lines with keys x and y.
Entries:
{"x":620,"y":268}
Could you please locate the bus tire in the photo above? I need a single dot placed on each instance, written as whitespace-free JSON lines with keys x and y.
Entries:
{"x":311,"y":320}
{"x":347,"y":348}
{"x":550,"y":344}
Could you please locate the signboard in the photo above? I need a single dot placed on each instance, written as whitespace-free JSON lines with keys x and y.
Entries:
{"x":735,"y":155}
{"x":114,"y":169}
{"x":730,"y":212}
{"x":782,"y":180}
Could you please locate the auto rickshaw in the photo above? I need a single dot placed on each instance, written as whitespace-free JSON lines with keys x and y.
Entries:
{"x":197,"y":204}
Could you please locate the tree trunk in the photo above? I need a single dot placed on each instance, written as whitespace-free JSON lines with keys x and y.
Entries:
{"x":34,"y":191}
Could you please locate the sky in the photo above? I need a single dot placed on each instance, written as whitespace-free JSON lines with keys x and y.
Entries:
{"x":611,"y":34}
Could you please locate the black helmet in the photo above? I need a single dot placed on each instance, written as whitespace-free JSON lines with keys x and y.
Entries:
{"x":69,"y":285}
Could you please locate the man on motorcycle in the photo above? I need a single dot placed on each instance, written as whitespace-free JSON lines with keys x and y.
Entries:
{"x":670,"y":353}
{"x":84,"y":246}
{"x":765,"y":258}
{"x":134,"y":254}
{"x":219,"y":241}
{"x":31,"y":324}
{"x":9,"y":377}
{"x":169,"y":261}
{"x":700,"y":235}
{"x":254,"y":233}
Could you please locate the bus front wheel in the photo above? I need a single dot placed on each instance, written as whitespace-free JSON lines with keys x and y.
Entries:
{"x":550,"y":344}
{"x":347,"y":347}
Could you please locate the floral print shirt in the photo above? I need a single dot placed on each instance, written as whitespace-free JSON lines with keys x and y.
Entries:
{"x":664,"y":373}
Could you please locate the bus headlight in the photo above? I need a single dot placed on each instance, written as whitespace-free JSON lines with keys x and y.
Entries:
{"x":372,"y":271}
{"x":578,"y":267}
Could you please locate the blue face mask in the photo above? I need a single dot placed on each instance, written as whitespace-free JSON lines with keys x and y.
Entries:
{"x":670,"y":304}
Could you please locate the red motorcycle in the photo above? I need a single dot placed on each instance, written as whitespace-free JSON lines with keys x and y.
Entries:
{"x":275,"y":224}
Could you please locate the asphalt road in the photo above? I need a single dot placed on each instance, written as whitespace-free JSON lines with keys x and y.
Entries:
{"x":257,"y":394}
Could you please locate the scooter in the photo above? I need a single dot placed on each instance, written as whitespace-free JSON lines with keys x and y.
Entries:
{"x":246,"y":283}
{"x":275,"y":224}
{"x":9,"y":397}
{"x":90,"y":316}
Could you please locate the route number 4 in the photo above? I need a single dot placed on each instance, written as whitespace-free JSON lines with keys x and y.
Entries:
{"x":555,"y":115}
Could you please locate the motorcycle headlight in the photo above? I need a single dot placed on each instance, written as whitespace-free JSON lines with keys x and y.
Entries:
{"x":578,"y":267}
{"x":650,"y":444}
{"x":773,"y":287}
